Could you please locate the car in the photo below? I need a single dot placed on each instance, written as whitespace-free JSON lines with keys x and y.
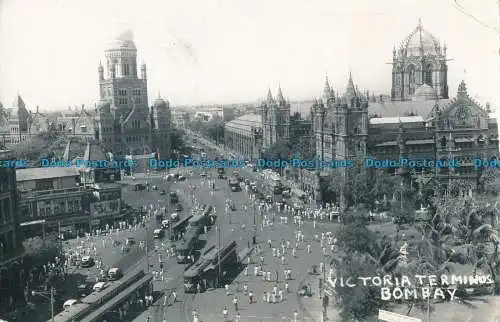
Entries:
{"x":99,"y":286}
{"x":115,"y":274}
{"x":87,"y":261}
{"x":162,"y":192}
{"x":174,"y":217}
{"x":235,"y":189}
{"x":203,"y":174}
{"x":155,"y":187}
{"x":158,"y":233}
{"x":181,"y":178}
{"x":126,"y":249}
{"x":130,"y":241}
{"x":232,"y":205}
{"x":69,"y":303}
{"x":165,"y":223}
{"x":84,"y":289}
{"x":178,"y":207}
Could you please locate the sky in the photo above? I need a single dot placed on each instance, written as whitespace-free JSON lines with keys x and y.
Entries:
{"x":227,"y":51}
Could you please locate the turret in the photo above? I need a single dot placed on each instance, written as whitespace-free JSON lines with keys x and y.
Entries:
{"x":100,"y":71}
{"x":143,"y":71}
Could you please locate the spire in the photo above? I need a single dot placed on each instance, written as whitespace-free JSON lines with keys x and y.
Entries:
{"x":419,"y":26}
{"x":269,"y":95}
{"x":159,"y":96}
{"x":279,"y":96}
{"x":351,"y":90}
{"x":462,"y":90}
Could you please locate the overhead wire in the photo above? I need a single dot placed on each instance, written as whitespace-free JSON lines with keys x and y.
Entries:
{"x":460,"y":8}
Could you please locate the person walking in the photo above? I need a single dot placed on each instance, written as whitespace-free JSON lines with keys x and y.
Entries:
{"x":235,"y":303}
{"x":224,"y":314}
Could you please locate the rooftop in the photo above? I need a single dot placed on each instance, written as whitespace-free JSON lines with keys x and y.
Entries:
{"x":245,"y":122}
{"x":29,"y":174}
{"x":392,"y":120}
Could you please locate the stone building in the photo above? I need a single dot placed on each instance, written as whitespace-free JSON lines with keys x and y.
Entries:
{"x":19,"y":123}
{"x":79,"y":123}
{"x":243,"y":135}
{"x":10,"y":241}
{"x":275,"y":118}
{"x":419,"y":66}
{"x":426,"y":125}
{"x":124,"y":122}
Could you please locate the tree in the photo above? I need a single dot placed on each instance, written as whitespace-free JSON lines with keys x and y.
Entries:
{"x":279,"y":151}
{"x":40,"y":251}
{"x":364,"y":253}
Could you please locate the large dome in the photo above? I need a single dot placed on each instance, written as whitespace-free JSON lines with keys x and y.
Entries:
{"x":425,"y":93}
{"x":160,"y":102}
{"x":420,"y":39}
{"x":123,"y":41}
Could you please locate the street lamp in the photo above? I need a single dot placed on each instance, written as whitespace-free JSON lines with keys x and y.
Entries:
{"x":401,"y":197}
{"x":46,"y":296}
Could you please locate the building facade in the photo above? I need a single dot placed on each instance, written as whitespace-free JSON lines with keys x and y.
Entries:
{"x":426,"y":126}
{"x":51,"y":199}
{"x":10,"y":242}
{"x":243,"y":136}
{"x":419,"y":63}
{"x":275,"y":118}
{"x":124,"y":122}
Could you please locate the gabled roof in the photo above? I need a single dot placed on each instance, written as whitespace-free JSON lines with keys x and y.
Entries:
{"x":394,"y":120}
{"x":395,"y":109}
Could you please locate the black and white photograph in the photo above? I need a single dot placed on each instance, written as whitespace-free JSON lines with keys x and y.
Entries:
{"x":237,"y":161}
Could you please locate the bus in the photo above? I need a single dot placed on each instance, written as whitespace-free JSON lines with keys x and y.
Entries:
{"x":207,"y":267}
{"x":189,"y":242}
{"x":92,"y":302}
{"x":179,"y":227}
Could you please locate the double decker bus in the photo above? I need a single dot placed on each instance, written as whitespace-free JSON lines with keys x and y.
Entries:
{"x":208,"y":266}
{"x":189,"y":242}
{"x":179,"y":227}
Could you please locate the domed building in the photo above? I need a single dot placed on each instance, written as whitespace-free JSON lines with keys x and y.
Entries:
{"x":124,"y":122}
{"x":418,"y":120}
{"x":419,"y":60}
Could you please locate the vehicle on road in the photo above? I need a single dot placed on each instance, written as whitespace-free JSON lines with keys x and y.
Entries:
{"x":232,"y":206}
{"x":174,"y":217}
{"x":155,"y":187}
{"x":305,"y":291}
{"x":181,"y":178}
{"x":158,"y":233}
{"x":99,"y":286}
{"x":130,"y":241}
{"x":87,"y":261}
{"x":179,"y":227}
{"x":95,"y":300}
{"x":234,"y":184}
{"x":69,"y":303}
{"x":173,"y":197}
{"x":162,"y":192}
{"x":84,"y":289}
{"x":203,"y":174}
{"x":178,"y":207}
{"x":115,"y":274}
{"x":187,"y":246}
{"x":165,"y":223}
{"x":139,"y":187}
{"x":208,"y":266}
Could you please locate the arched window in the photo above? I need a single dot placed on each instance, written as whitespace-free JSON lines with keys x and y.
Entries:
{"x":428,"y":74}
{"x":411,"y":74}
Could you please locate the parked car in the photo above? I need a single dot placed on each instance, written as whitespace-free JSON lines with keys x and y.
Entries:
{"x":98,"y":287}
{"x":115,"y":274}
{"x":87,"y":261}
{"x":84,"y":289}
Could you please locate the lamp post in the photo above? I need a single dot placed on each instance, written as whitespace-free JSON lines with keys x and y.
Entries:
{"x":49,"y":296}
{"x":401,"y":195}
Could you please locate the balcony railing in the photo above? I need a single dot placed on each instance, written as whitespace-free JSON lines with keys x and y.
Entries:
{"x":50,"y":193}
